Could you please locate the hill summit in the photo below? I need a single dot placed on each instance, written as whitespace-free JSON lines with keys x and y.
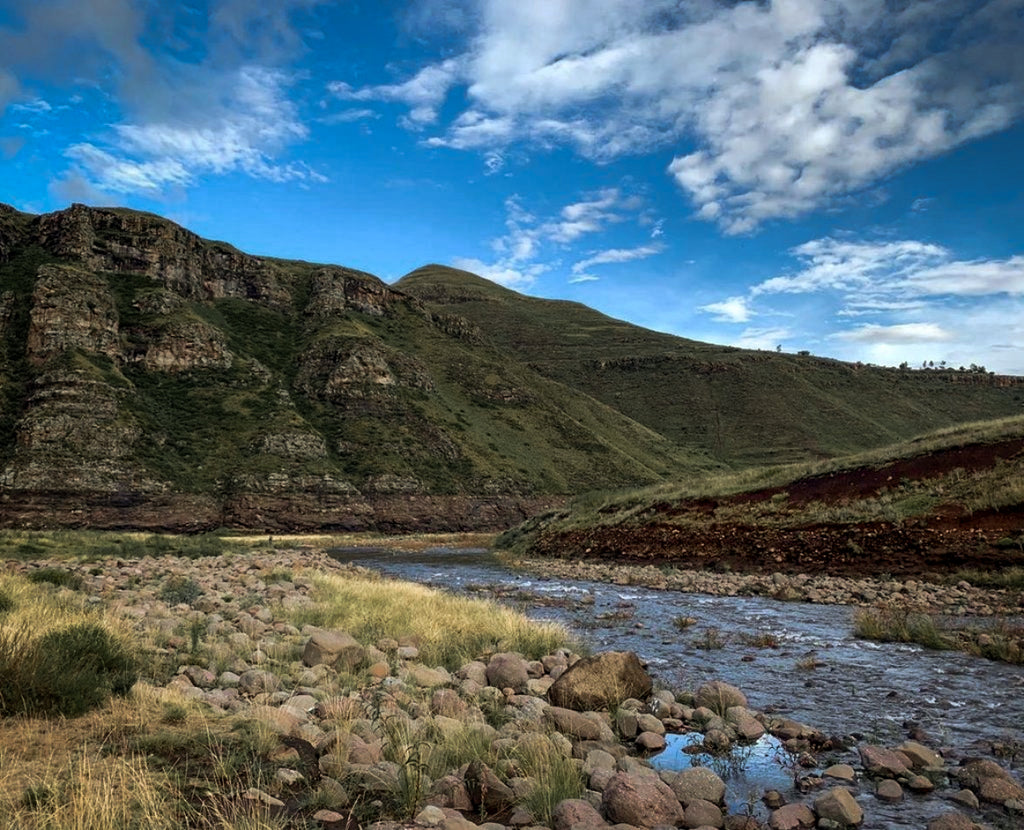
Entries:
{"x":151,"y":378}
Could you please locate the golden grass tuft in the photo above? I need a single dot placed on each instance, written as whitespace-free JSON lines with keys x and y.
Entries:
{"x":447,"y":629}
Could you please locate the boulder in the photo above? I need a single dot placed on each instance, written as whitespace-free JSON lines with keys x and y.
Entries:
{"x":506,"y":670}
{"x":839,"y":806}
{"x":792,"y":817}
{"x":573,"y":724}
{"x":990,"y":781}
{"x":601,"y":681}
{"x":575,"y":812}
{"x":952,"y":821}
{"x":650,"y":742}
{"x":921,"y":757}
{"x":889,"y":790}
{"x":640,"y":800}
{"x":699,"y":813}
{"x":488,"y":793}
{"x":337,"y":649}
{"x":882,"y":762}
{"x":699,"y":783}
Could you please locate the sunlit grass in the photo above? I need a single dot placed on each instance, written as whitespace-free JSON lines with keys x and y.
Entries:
{"x":447,"y":629}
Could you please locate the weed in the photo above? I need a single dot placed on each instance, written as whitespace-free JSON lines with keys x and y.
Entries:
{"x":711,"y":639}
{"x":555,"y":778}
{"x":683,"y":622}
{"x":761,"y":639}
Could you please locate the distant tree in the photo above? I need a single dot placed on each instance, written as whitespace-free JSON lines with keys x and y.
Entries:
{"x":778,"y":348}
{"x":803,"y":353}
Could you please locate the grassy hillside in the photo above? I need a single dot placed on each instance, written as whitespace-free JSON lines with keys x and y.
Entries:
{"x":742,"y":407}
{"x":949,"y":499}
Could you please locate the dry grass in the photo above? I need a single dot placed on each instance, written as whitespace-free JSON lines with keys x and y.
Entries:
{"x":447,"y":629}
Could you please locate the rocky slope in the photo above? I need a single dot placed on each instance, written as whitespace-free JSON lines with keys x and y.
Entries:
{"x":150,"y":378}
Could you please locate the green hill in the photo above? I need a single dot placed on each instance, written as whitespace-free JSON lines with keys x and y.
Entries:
{"x":742,"y":407}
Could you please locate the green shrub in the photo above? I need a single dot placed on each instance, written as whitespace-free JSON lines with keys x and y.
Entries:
{"x":180,"y":590}
{"x":67,"y":671}
{"x":7,"y":602}
{"x":57,"y":576}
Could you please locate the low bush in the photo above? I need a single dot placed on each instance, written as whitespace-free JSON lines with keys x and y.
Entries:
{"x":180,"y":590}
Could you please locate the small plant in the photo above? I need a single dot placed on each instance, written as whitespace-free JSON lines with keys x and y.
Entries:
{"x":711,"y":639}
{"x":683,"y":622}
{"x":57,"y":576}
{"x":761,"y":639}
{"x":7,"y":602}
{"x":196,"y":630}
{"x":180,"y":590}
{"x":555,"y":777}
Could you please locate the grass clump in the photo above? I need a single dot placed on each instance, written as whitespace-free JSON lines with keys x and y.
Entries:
{"x":57,"y":576}
{"x":57,"y":659}
{"x":449,"y":630}
{"x":898,"y":624}
{"x":555,"y":778}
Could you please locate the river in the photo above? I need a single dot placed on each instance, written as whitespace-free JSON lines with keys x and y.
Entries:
{"x":814,"y":670}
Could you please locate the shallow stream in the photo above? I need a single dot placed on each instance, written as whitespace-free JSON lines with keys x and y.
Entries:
{"x":815,"y":671}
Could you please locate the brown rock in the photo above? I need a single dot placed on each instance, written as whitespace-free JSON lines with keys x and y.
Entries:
{"x":573,"y":724}
{"x":575,"y":812}
{"x":792,"y":817}
{"x":838,"y":805}
{"x":337,"y":649}
{"x":889,"y":790}
{"x":698,"y":783}
{"x":882,"y":762}
{"x":508,"y":671}
{"x":601,"y":681}
{"x":487,"y":792}
{"x":952,"y":821}
{"x":650,"y":742}
{"x":643,"y":801}
{"x":700,"y":813}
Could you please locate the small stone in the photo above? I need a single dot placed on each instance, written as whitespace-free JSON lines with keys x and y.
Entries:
{"x":700,"y":813}
{"x":650,"y":742}
{"x":967,"y":798}
{"x":430,"y":816}
{"x":889,"y":790}
{"x":792,"y":817}
{"x":839,"y":806}
{"x":840,"y":772}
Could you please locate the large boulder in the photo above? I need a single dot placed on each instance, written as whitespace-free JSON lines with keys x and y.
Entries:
{"x":640,"y":800}
{"x":699,"y":783}
{"x":508,"y":671}
{"x":573,"y":724}
{"x":337,"y":649}
{"x":601,"y":681}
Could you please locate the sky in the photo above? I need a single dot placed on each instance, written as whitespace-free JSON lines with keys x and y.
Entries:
{"x":844,"y":177}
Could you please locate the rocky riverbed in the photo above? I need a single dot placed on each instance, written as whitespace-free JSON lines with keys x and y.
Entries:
{"x":352,"y":718}
{"x":961,"y":599}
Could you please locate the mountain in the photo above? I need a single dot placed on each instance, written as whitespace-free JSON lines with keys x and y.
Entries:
{"x":742,"y":407}
{"x":151,"y":378}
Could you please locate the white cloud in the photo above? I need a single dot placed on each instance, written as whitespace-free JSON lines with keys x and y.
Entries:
{"x":732,"y":310}
{"x":501,"y":273}
{"x":762,"y":338}
{"x":773,"y":109}
{"x":349,"y":115}
{"x":916,"y":302}
{"x":494,"y":162}
{"x":580,"y":278}
{"x":244,"y":133}
{"x":897,"y":334}
{"x":423,"y":93}
{"x":615,"y":255}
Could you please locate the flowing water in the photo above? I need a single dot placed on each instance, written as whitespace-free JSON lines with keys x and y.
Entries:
{"x":816,"y":673}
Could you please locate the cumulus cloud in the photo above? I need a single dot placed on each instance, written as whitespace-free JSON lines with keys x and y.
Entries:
{"x":423,"y":93}
{"x":525,"y":250}
{"x":171,"y":121}
{"x":731,"y":310}
{"x":772,"y":109}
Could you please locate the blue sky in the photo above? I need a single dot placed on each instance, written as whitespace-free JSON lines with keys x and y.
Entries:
{"x":842,"y":176}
